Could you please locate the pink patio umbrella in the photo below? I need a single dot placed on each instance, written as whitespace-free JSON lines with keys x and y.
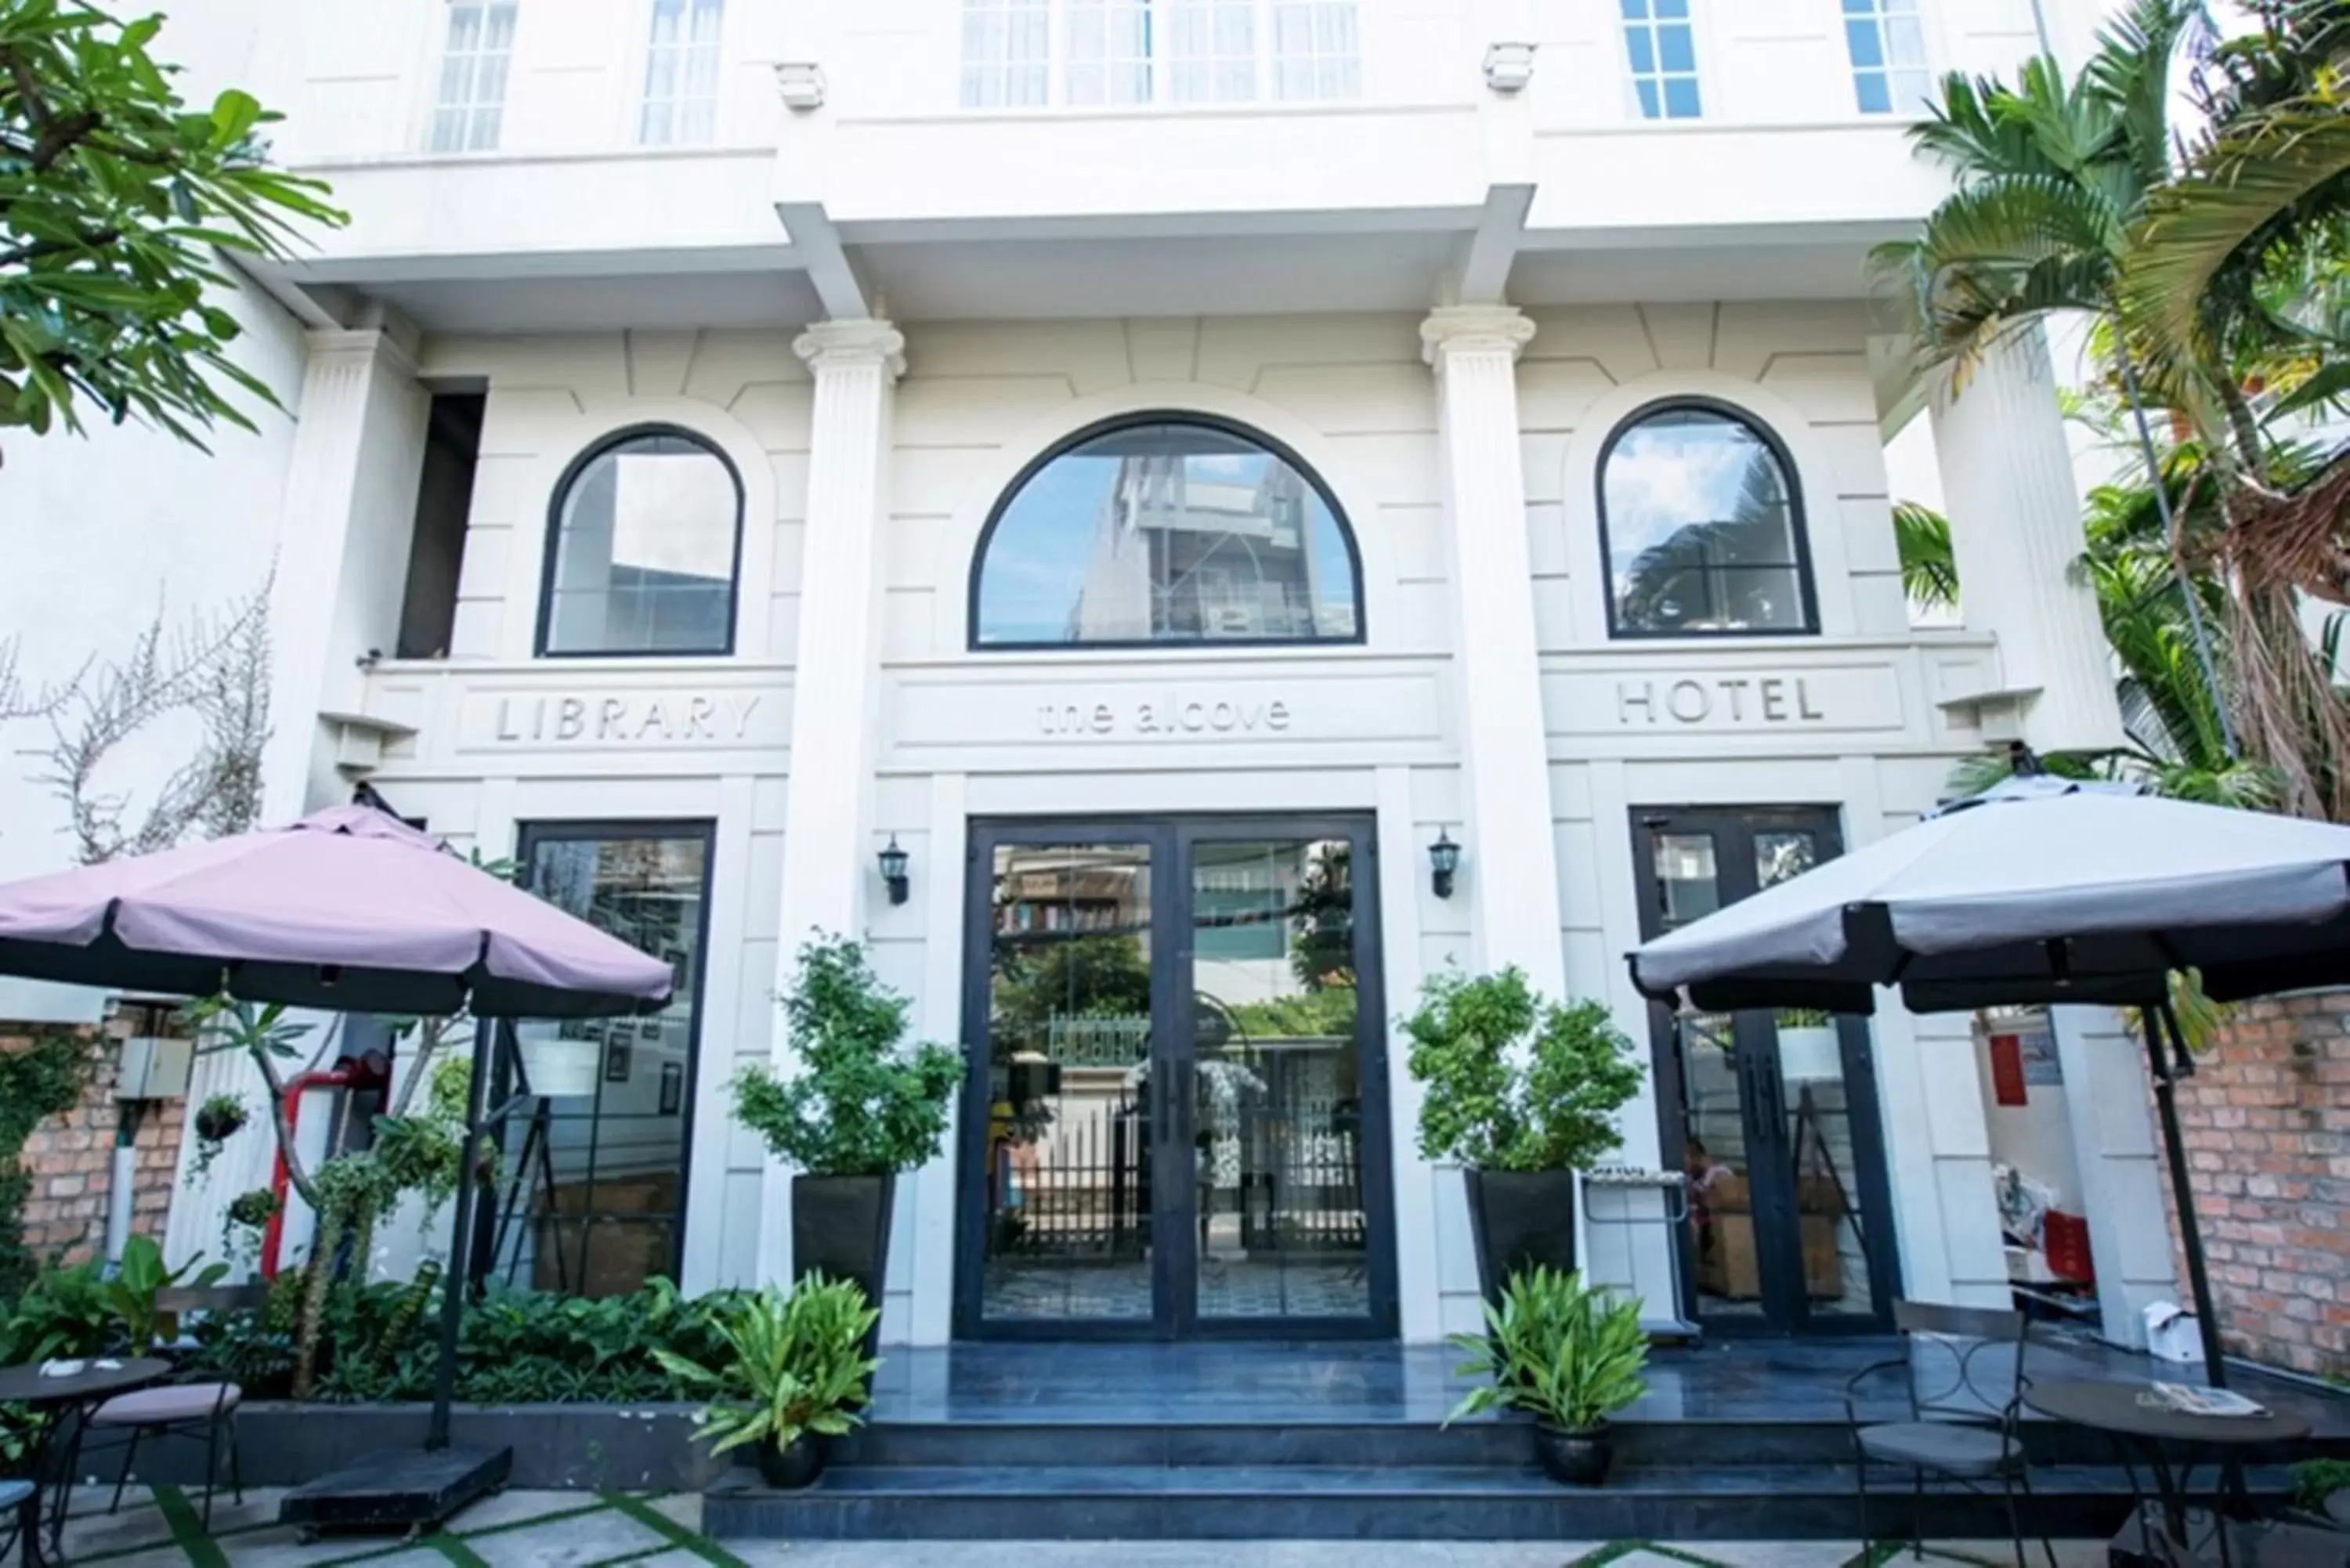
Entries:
{"x":350,"y":909}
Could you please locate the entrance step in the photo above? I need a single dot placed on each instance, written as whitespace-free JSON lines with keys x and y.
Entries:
{"x":1009,"y":1500}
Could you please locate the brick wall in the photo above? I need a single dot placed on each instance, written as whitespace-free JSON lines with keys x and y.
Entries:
{"x":2266,"y":1120}
{"x":71,"y":1158}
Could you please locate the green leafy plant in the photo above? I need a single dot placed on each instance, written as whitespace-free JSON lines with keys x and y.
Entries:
{"x":1514,"y":1082}
{"x":1565,"y":1352}
{"x":794,"y":1364}
{"x":2314,"y":1482}
{"x":860,"y":1105}
{"x":114,"y":201}
{"x":1312,"y":1014}
{"x":38,"y":1080}
{"x":220,"y":1118}
{"x":63,"y":1313}
{"x":141,"y":1277}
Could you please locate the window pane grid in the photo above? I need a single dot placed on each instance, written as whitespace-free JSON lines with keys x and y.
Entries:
{"x":1136,"y":53}
{"x":1661,"y":46}
{"x":1888,"y":48}
{"x":468,"y":111}
{"x":681,"y":71}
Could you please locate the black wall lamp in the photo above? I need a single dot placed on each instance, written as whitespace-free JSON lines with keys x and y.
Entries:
{"x":893,"y":870}
{"x":1445,"y":859}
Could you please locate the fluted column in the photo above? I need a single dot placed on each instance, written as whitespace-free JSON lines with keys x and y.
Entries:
{"x":827,"y":862}
{"x":2015,"y":521}
{"x":342,"y":550}
{"x":1510,"y":861}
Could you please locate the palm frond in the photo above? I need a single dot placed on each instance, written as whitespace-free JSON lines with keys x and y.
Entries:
{"x":1929,"y":565}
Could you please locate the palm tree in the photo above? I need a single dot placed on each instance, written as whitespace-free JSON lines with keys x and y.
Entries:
{"x":2068,"y":202}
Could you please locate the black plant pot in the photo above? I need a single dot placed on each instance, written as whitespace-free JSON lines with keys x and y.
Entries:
{"x":1520,"y":1218}
{"x":1575,"y":1458}
{"x":794,"y":1465}
{"x":840,"y":1228}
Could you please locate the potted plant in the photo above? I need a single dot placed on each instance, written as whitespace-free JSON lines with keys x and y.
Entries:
{"x":793,"y":1376}
{"x":1567,"y":1354}
{"x":1521,"y":1093}
{"x":860,"y":1109}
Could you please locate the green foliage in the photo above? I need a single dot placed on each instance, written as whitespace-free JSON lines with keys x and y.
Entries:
{"x":114,"y":199}
{"x":859,"y":1105}
{"x":44,"y":1078}
{"x":1099,"y":976}
{"x":141,"y":1277}
{"x":794,"y":1363}
{"x":64,"y":1313}
{"x":1930,"y":563}
{"x":2314,"y":1482}
{"x":1568,"y":1354}
{"x":1514,"y":1082}
{"x":1315,"y":1014}
{"x":220,"y":1118}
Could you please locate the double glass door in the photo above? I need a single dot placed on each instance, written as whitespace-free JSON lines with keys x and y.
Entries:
{"x":1774,"y":1115}
{"x":1175,"y":1114}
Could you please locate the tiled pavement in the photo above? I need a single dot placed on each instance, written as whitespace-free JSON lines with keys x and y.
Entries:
{"x":582,"y":1530}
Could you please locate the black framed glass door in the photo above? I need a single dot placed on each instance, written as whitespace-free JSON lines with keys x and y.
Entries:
{"x":1175,"y":1117}
{"x":1773,"y":1117}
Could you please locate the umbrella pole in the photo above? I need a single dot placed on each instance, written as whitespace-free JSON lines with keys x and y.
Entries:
{"x":2165,"y":1056}
{"x":458,"y":1280}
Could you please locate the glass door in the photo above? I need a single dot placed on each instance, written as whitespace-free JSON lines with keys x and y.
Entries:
{"x":1772,"y":1116}
{"x":1174,"y":1121}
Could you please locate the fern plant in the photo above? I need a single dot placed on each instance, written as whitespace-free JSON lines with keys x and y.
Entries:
{"x":794,"y":1364}
{"x":1568,"y":1354}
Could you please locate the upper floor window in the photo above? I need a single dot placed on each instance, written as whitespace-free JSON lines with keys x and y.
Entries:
{"x":1661,"y":43}
{"x":1142,"y":52}
{"x":1166,"y":530}
{"x":1889,"y":54}
{"x":473,"y":57}
{"x":682,"y":73}
{"x":642,"y":551}
{"x":1703,"y":524}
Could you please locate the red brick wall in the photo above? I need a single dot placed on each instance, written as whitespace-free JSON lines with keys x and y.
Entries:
{"x":2266,"y":1120}
{"x":71,"y":1158}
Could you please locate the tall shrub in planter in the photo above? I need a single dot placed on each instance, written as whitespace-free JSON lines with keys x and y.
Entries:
{"x":861,"y":1109}
{"x":1521,"y":1093}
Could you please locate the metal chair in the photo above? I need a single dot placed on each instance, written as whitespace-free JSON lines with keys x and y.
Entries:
{"x":1964,"y":1376}
{"x":196,"y":1408}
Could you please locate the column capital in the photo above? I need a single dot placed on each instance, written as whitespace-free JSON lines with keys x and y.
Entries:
{"x":366,"y":344}
{"x":1474,"y":328}
{"x":851,"y":343}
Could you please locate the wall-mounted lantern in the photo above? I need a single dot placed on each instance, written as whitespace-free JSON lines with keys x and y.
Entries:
{"x":1443,"y":859}
{"x":894,"y":861}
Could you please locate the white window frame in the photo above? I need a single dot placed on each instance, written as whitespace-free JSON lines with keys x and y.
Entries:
{"x":1114,"y":74}
{"x":1901,"y":102}
{"x":472,"y":109}
{"x":1696,"y":75}
{"x":680,"y":128}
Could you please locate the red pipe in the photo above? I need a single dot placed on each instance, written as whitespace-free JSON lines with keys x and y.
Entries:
{"x":345,"y":1074}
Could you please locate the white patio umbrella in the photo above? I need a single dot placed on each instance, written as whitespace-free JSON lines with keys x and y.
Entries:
{"x":2042,"y":890}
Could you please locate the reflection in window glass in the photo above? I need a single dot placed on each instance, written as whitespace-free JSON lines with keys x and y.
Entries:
{"x":680,"y":105}
{"x":644,"y":552}
{"x":1888,"y":56}
{"x":1689,"y":886}
{"x":1661,"y":44}
{"x":1166,"y":532}
{"x":593,"y":1174}
{"x":1702,"y":528}
{"x":1006,"y":52}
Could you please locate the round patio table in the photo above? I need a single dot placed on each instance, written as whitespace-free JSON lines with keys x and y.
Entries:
{"x":71,"y":1398}
{"x":2136,"y":1418}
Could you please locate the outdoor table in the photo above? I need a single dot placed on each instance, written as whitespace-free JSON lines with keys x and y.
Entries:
{"x":69,"y":1398}
{"x":2130,"y":1415}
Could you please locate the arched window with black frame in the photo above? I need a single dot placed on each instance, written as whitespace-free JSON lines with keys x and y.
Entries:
{"x":643,"y":550}
{"x":1166,"y":530}
{"x":1701,"y":523}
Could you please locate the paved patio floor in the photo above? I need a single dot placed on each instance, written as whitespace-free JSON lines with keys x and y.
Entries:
{"x":159,"y":1529}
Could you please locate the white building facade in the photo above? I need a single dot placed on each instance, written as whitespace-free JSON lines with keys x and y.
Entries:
{"x":1161,"y":465}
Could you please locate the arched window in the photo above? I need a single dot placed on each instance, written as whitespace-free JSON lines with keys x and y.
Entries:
{"x":1702,"y":524}
{"x":1166,"y":529}
{"x":642,"y":549}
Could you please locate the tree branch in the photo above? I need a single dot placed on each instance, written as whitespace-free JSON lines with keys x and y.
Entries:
{"x":58,"y":137}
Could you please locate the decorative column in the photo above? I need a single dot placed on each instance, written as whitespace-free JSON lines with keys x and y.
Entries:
{"x":2015,"y":521}
{"x":827,"y":862}
{"x":343,"y":538}
{"x":1510,"y":859}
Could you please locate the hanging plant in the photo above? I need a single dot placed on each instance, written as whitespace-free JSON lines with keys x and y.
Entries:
{"x":220,"y":1118}
{"x":249,"y":1214}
